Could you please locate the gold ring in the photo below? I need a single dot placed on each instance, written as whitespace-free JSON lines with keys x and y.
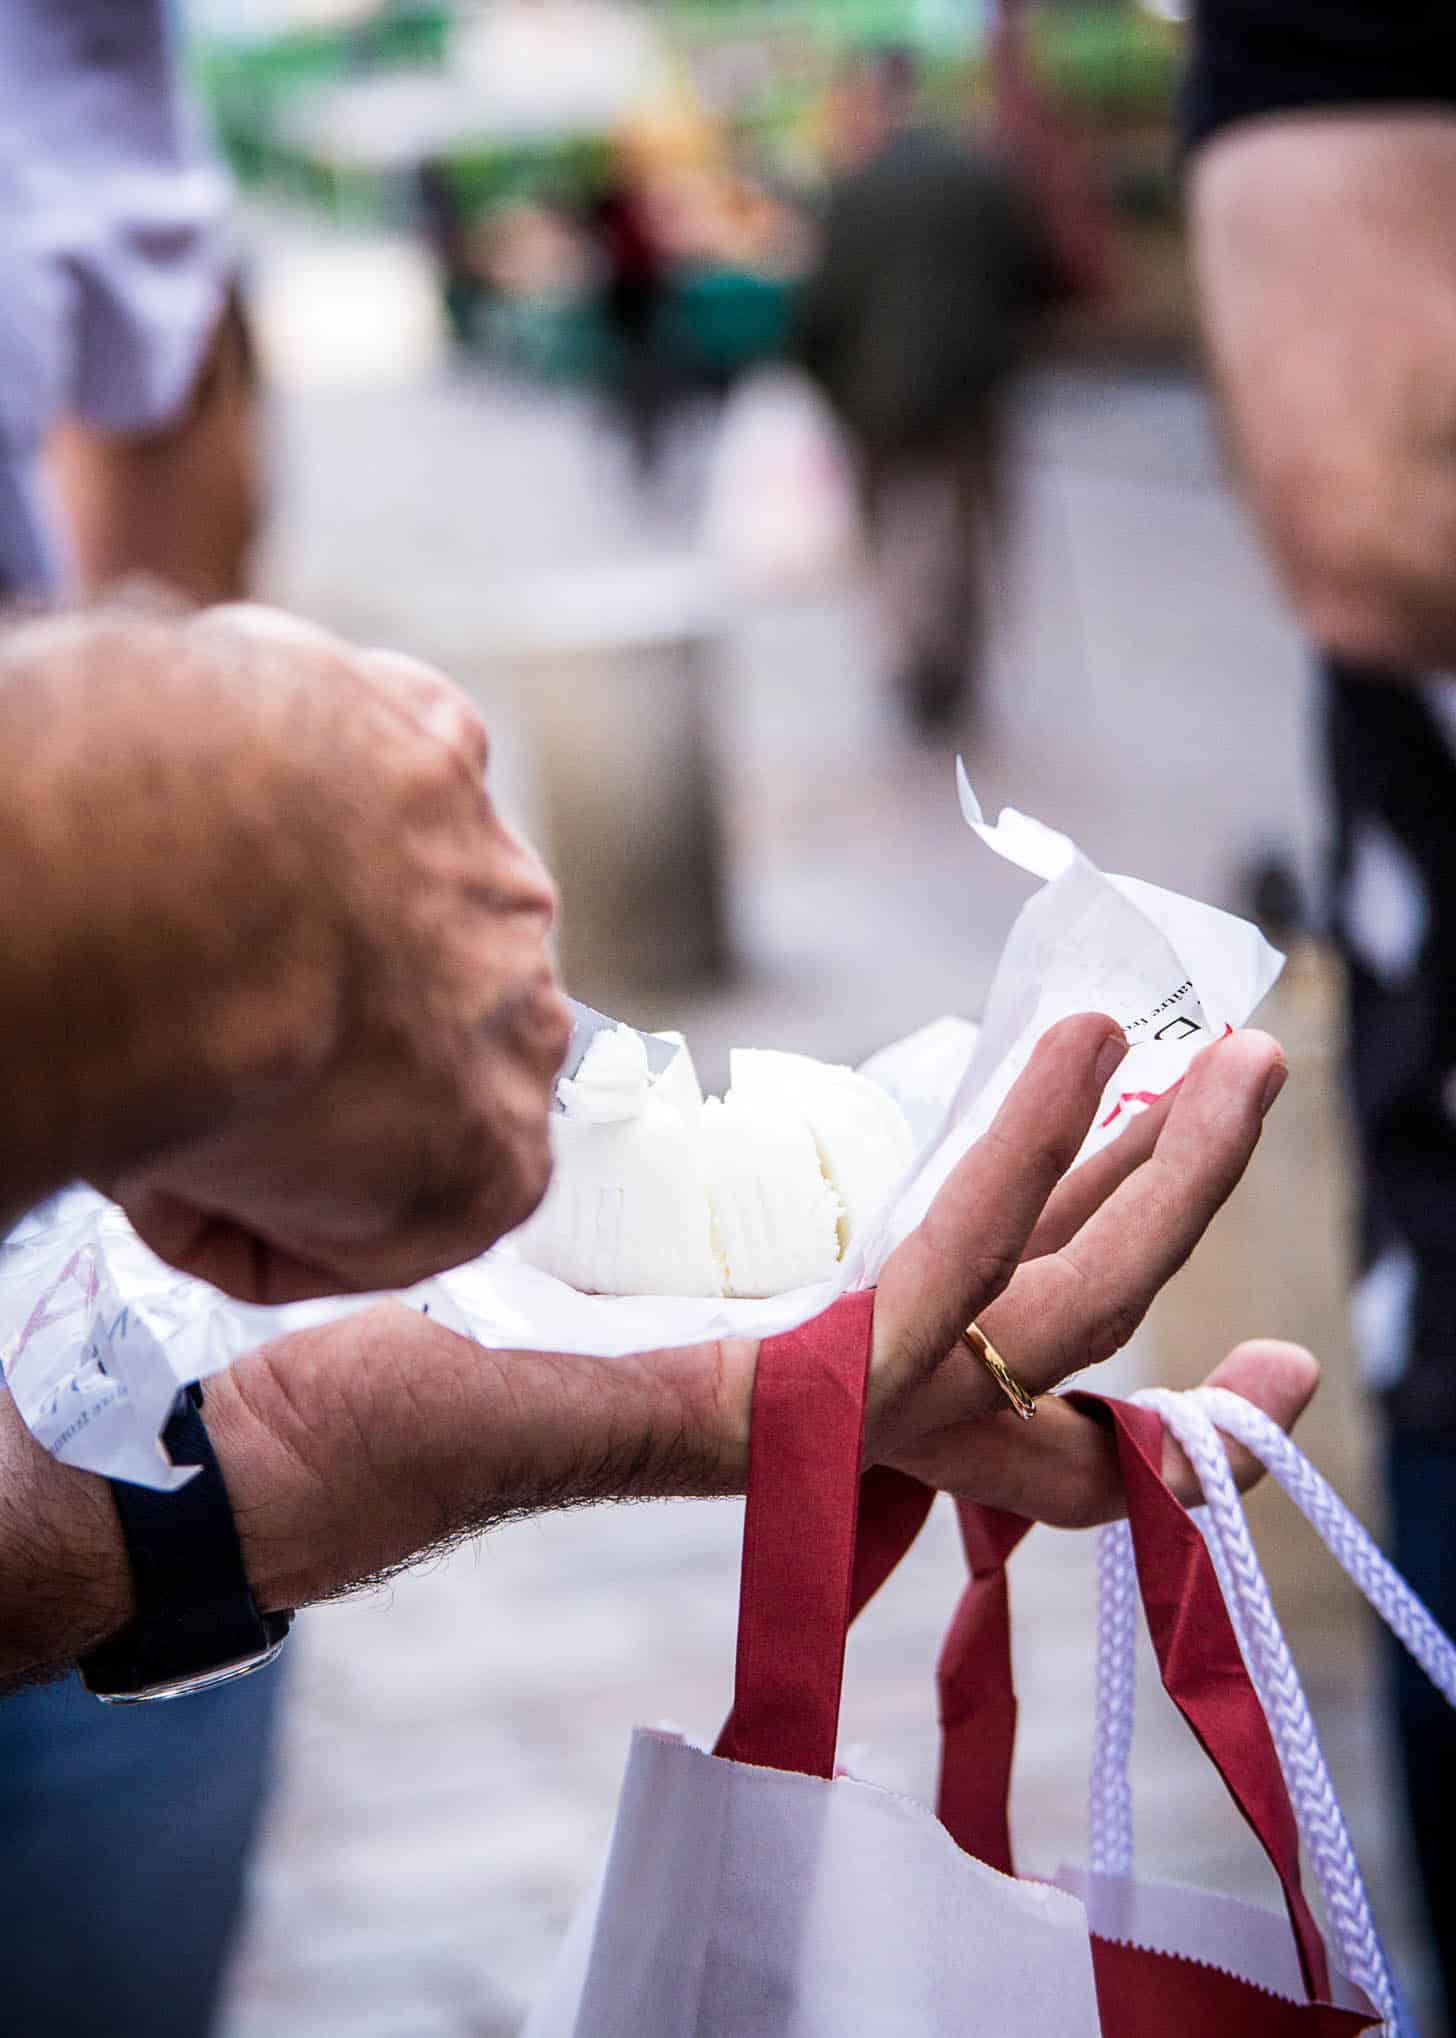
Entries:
{"x":977,"y":1341}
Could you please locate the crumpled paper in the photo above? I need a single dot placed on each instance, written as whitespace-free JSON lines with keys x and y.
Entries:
{"x":97,"y":1334}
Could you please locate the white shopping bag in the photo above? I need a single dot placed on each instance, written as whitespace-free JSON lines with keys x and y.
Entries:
{"x":1167,"y":1958}
{"x":749,"y":1901}
{"x":754,"y":1893}
{"x":745,"y":1900}
{"x":781,"y":512}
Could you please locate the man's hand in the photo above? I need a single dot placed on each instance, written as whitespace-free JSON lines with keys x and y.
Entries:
{"x":1064,"y":1268}
{"x":350,"y":1449}
{"x":304,"y":965}
{"x":422,"y":1137}
{"x":409,"y":1435}
{"x":1327,"y":272}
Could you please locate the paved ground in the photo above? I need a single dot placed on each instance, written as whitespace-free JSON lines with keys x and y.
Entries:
{"x":454,"y":1743}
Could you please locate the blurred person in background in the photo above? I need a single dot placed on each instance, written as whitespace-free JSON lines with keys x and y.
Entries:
{"x":633,"y":297}
{"x":177,"y":499}
{"x":1323,"y":204}
{"x":127,"y":446}
{"x":464,"y":281}
{"x":932,"y":271}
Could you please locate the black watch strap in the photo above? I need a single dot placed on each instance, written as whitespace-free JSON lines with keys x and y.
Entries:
{"x":196,"y":1621}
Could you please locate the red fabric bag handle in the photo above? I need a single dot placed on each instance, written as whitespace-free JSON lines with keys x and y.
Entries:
{"x":977,"y":1694}
{"x":818,"y":1542}
{"x":1198,"y":1657}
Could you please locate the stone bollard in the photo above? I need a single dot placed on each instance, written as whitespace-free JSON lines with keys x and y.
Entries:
{"x":612,"y":671}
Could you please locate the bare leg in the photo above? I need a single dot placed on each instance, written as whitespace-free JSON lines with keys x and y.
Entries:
{"x":180,"y":504}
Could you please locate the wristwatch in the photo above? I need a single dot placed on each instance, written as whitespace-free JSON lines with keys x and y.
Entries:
{"x":196,"y":1622}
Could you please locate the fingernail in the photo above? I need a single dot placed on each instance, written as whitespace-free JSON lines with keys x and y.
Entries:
{"x":1274,"y":1083}
{"x":1113,"y":1051}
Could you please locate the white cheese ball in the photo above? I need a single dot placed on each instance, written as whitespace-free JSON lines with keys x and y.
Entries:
{"x":657,"y":1192}
{"x":863,"y":1139}
{"x":775,"y":1218}
{"x":627,"y":1210}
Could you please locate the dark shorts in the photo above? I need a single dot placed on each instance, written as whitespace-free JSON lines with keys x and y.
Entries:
{"x":1392,"y":775}
{"x":1253,"y":57}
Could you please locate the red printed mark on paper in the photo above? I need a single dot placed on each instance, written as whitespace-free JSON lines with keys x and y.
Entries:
{"x":1144,"y":1096}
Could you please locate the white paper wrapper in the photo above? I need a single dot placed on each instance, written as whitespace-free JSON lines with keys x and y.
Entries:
{"x":96,"y":1333}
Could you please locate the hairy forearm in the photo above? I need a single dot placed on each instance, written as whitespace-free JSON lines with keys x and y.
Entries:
{"x":153,"y":980}
{"x":351,"y":1450}
{"x":1327,"y":274}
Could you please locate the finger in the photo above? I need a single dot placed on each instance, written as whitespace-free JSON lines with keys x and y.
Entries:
{"x":1077,"y":1306}
{"x":1062,"y":1468}
{"x":1088,"y":1187}
{"x":1276,"y":1376}
{"x":972,"y":1238}
{"x":440,"y":707}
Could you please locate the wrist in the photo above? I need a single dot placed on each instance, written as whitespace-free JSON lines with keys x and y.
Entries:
{"x":65,"y":1582}
{"x":349,"y":1450}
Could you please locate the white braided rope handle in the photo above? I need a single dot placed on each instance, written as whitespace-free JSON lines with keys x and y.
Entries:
{"x":1342,"y":1534}
{"x":1317,"y":1809}
{"x":1109,"y":1811}
{"x":1347,"y":1541}
{"x":1354,"y":1550}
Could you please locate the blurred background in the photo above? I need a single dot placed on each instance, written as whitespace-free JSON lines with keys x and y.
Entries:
{"x":747,"y":462}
